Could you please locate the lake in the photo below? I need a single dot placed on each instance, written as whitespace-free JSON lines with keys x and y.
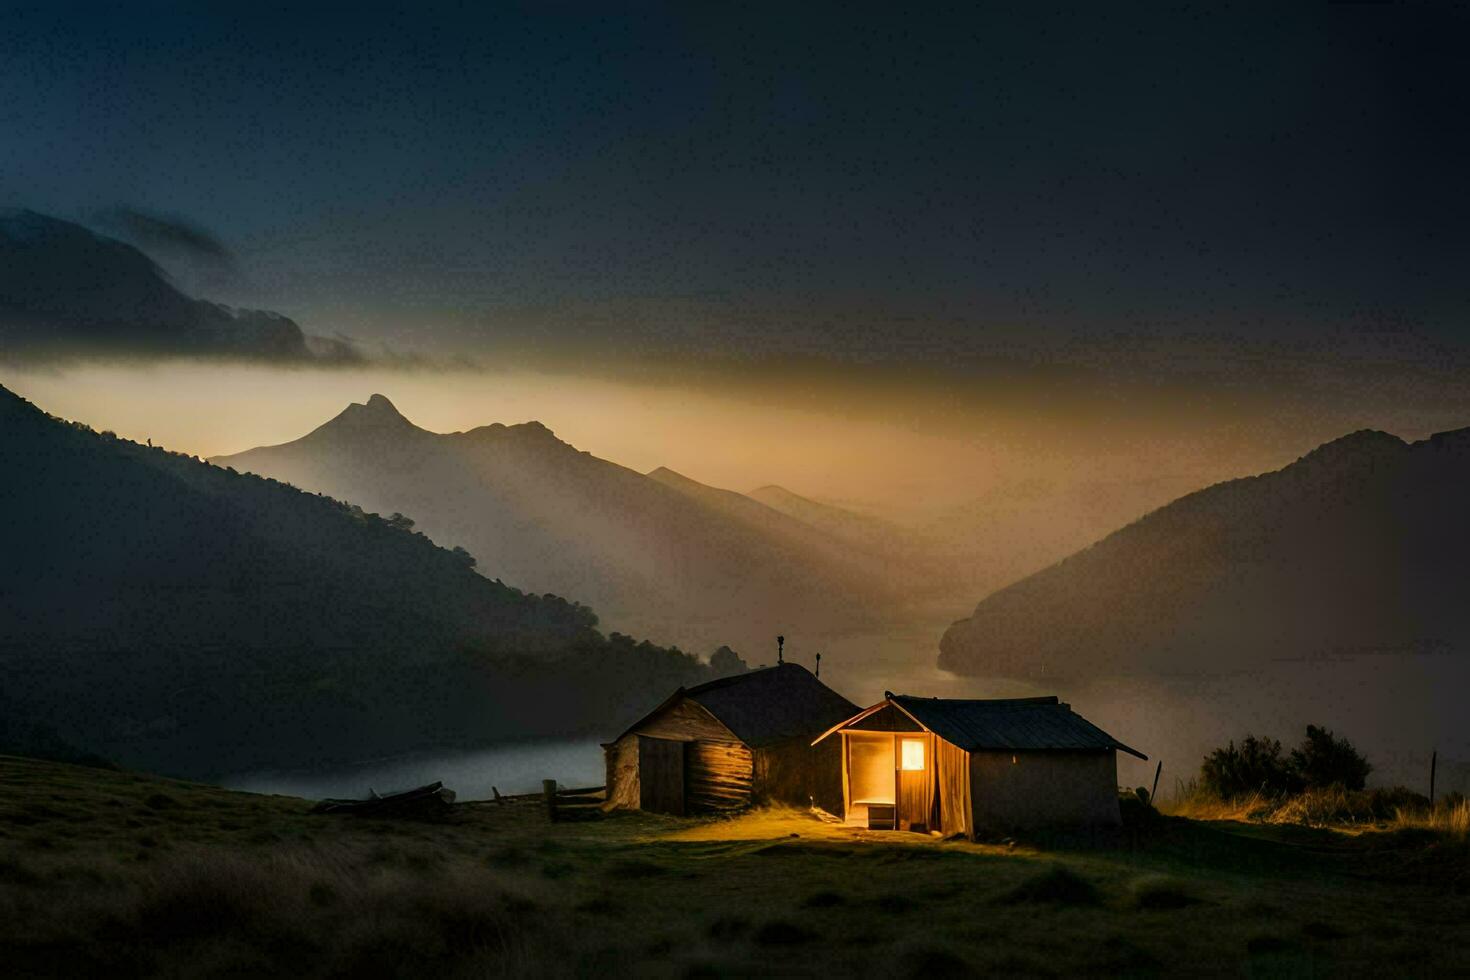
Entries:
{"x":514,"y":768}
{"x":1396,"y":709}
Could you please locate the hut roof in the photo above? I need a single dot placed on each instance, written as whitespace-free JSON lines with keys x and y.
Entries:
{"x":767,"y":705}
{"x":1011,"y":723}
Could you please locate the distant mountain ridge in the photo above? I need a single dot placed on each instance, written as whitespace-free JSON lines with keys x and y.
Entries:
{"x":1362,"y":545}
{"x":180,"y":617}
{"x":68,"y":290}
{"x":656,"y":554}
{"x":836,"y":521}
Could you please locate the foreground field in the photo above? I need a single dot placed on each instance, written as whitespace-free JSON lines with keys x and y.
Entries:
{"x":119,"y":874}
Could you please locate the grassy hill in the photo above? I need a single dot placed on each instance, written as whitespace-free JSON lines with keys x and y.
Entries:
{"x":181,"y":617}
{"x":130,"y":875}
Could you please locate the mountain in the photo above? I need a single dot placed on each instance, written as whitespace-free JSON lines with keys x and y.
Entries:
{"x":656,"y":554}
{"x":180,"y":617}
{"x":844,"y":525}
{"x":68,"y":291}
{"x":769,"y":522}
{"x":1362,"y":545}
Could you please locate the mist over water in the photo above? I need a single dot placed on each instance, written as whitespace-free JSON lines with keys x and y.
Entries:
{"x":512,"y":769}
{"x":1396,"y":709}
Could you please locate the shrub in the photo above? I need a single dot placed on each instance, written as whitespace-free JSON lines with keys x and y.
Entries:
{"x":1324,"y":760}
{"x":1255,"y":766}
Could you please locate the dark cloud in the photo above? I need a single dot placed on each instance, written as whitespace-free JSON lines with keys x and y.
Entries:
{"x":71,"y":293}
{"x":155,"y":232}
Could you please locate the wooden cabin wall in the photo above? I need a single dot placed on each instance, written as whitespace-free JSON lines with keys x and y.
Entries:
{"x":887,"y":719}
{"x":717,"y":776}
{"x":796,"y":772}
{"x":621,"y":758}
{"x":1044,"y":788}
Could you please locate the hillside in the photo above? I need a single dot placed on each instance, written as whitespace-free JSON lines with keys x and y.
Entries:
{"x":108,"y":873}
{"x":1359,"y":546}
{"x":68,"y":290}
{"x":656,"y":554}
{"x":166,"y":613}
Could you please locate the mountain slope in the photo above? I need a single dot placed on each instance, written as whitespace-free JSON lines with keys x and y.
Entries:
{"x":1361,"y":545}
{"x":656,"y":555}
{"x":845,"y":525}
{"x":69,"y":291}
{"x":179,"y":616}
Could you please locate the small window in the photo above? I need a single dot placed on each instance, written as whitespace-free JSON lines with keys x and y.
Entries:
{"x":913,"y":754}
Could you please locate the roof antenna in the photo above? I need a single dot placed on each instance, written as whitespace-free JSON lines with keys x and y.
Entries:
{"x":819,"y":665}
{"x":780,"y":645}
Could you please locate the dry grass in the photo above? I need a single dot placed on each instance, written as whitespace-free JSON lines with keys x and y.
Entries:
{"x":324,"y":912}
{"x":1449,"y":817}
{"x":1336,"y":809}
{"x":99,"y":875}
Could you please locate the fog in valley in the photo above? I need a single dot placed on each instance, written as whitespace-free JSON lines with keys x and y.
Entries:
{"x":921,"y":525}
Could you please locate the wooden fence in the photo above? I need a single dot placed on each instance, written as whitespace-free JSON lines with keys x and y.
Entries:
{"x":572,"y":804}
{"x":562,"y":804}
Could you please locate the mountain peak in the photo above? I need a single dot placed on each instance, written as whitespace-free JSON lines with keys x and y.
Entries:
{"x":377,"y":414}
{"x":527,"y":433}
{"x":380,"y":403}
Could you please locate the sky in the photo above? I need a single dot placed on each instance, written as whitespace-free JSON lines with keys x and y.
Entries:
{"x":1014,"y":239}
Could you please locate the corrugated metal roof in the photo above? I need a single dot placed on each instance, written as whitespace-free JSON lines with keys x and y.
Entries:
{"x":1018,"y":723}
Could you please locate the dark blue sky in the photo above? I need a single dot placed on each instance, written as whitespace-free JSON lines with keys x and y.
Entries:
{"x":780,"y":179}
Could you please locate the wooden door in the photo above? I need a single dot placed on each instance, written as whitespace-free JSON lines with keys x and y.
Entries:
{"x":661,"y":775}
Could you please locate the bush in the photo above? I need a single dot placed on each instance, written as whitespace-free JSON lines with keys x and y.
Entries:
{"x":1324,"y":760}
{"x":1255,"y":766}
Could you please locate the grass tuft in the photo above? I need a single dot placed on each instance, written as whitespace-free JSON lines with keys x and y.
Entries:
{"x":931,"y":961}
{"x":728,"y":928}
{"x":825,"y":899}
{"x":782,"y":933}
{"x":1056,"y":886}
{"x":1161,"y":892}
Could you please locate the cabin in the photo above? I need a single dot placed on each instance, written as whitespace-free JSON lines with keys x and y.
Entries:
{"x":970,"y":766}
{"x":731,"y":743}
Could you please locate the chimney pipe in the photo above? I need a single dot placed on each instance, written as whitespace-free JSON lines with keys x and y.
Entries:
{"x":780,"y":645}
{"x":819,"y":665}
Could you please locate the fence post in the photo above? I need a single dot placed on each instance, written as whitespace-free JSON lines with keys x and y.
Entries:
{"x":548,"y":786}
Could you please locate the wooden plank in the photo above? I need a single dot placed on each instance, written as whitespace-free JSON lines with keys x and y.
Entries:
{"x":718,"y":776}
{"x":686,"y":720}
{"x":566,"y":800}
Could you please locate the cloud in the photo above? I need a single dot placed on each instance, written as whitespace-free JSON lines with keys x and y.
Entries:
{"x":157,"y":232}
{"x":70,"y":293}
